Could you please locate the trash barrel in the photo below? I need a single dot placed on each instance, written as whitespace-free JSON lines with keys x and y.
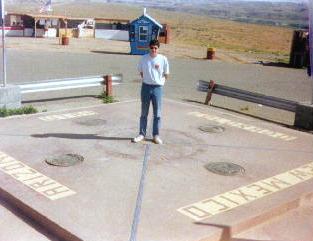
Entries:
{"x":65,"y":40}
{"x":211,"y":53}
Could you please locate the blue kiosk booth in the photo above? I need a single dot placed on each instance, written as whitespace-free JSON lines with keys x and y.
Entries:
{"x":142,"y":30}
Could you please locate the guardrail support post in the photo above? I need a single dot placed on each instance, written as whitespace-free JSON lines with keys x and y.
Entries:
{"x":209,"y":94}
{"x":108,"y":85}
{"x":304,"y":116}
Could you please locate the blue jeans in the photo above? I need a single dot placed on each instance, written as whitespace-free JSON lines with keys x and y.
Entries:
{"x":154,"y":94}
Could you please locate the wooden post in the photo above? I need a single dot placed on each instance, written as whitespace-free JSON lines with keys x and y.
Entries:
{"x":108,"y":85}
{"x":209,"y":94}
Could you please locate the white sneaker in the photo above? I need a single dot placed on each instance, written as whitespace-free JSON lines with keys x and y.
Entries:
{"x":138,"y":138}
{"x":157,"y":140}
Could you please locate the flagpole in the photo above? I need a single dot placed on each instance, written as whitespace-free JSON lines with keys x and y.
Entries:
{"x":4,"y":75}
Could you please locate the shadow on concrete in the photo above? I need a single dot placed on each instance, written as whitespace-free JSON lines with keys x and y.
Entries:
{"x":253,"y":116}
{"x":60,"y":98}
{"x":193,"y":101}
{"x":242,"y":239}
{"x":195,"y":58}
{"x":111,"y":138}
{"x":275,"y":64}
{"x":226,"y":230}
{"x":226,"y":234}
{"x":86,"y":137}
{"x":242,"y":113}
{"x":96,"y":137}
{"x":13,"y":205}
{"x":81,"y":136}
{"x":109,"y":52}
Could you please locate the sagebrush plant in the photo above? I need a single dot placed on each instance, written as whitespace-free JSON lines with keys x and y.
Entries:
{"x":107,"y":99}
{"x":18,"y":111}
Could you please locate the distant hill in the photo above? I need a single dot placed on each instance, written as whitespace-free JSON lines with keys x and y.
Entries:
{"x":289,"y":13}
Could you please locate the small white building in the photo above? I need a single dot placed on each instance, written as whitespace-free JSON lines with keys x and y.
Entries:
{"x":112,"y":29}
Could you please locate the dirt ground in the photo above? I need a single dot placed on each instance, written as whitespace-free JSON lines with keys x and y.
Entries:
{"x":87,"y":45}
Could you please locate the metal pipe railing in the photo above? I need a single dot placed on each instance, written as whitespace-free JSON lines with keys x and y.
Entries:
{"x":212,"y":87}
{"x":69,"y":83}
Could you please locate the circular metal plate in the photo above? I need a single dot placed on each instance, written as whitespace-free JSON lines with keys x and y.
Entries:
{"x":225,"y":168}
{"x":65,"y":160}
{"x":212,"y":129}
{"x":92,"y":122}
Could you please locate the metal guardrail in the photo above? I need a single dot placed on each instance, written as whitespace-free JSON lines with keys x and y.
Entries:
{"x":69,"y":83}
{"x":212,"y":87}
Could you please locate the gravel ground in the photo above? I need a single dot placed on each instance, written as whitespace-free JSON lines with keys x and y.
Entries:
{"x":31,"y":60}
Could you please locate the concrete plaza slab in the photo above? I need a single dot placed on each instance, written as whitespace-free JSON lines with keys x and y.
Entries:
{"x":182,"y":200}
{"x":10,"y":223}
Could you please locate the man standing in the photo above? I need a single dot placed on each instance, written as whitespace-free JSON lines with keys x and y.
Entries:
{"x":154,"y":70}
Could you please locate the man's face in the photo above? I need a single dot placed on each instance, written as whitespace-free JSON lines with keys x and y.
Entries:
{"x":154,"y":50}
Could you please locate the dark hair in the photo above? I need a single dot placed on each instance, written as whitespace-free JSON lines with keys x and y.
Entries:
{"x":154,"y":42}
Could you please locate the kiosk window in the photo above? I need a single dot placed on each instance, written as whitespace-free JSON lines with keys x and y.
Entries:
{"x":143,"y":33}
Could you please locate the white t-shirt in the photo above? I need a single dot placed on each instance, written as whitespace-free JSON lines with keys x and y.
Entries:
{"x":154,"y":69}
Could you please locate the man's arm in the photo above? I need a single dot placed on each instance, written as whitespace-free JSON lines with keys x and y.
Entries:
{"x":141,"y":74}
{"x":166,"y":69}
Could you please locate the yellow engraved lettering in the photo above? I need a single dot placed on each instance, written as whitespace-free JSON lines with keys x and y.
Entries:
{"x":200,"y":115}
{"x":13,"y":166}
{"x":2,"y":155}
{"x":250,"y":128}
{"x":309,"y":168}
{"x":86,"y":113}
{"x":275,"y":183}
{"x":213,"y":118}
{"x":195,"y":113}
{"x":26,"y":172}
{"x":56,"y":191}
{"x":42,"y":118}
{"x":265,"y":132}
{"x":70,"y":115}
{"x":277,"y":134}
{"x":42,"y":183}
{"x":31,"y":178}
{"x":300,"y":174}
{"x":221,"y":206}
{"x":228,"y":199}
{"x":289,"y":138}
{"x":196,"y":212}
{"x":236,"y":124}
{"x":245,"y":196}
{"x":7,"y":159}
{"x":223,"y":121}
{"x":60,"y":117}
{"x":50,"y":118}
{"x":260,"y":189}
